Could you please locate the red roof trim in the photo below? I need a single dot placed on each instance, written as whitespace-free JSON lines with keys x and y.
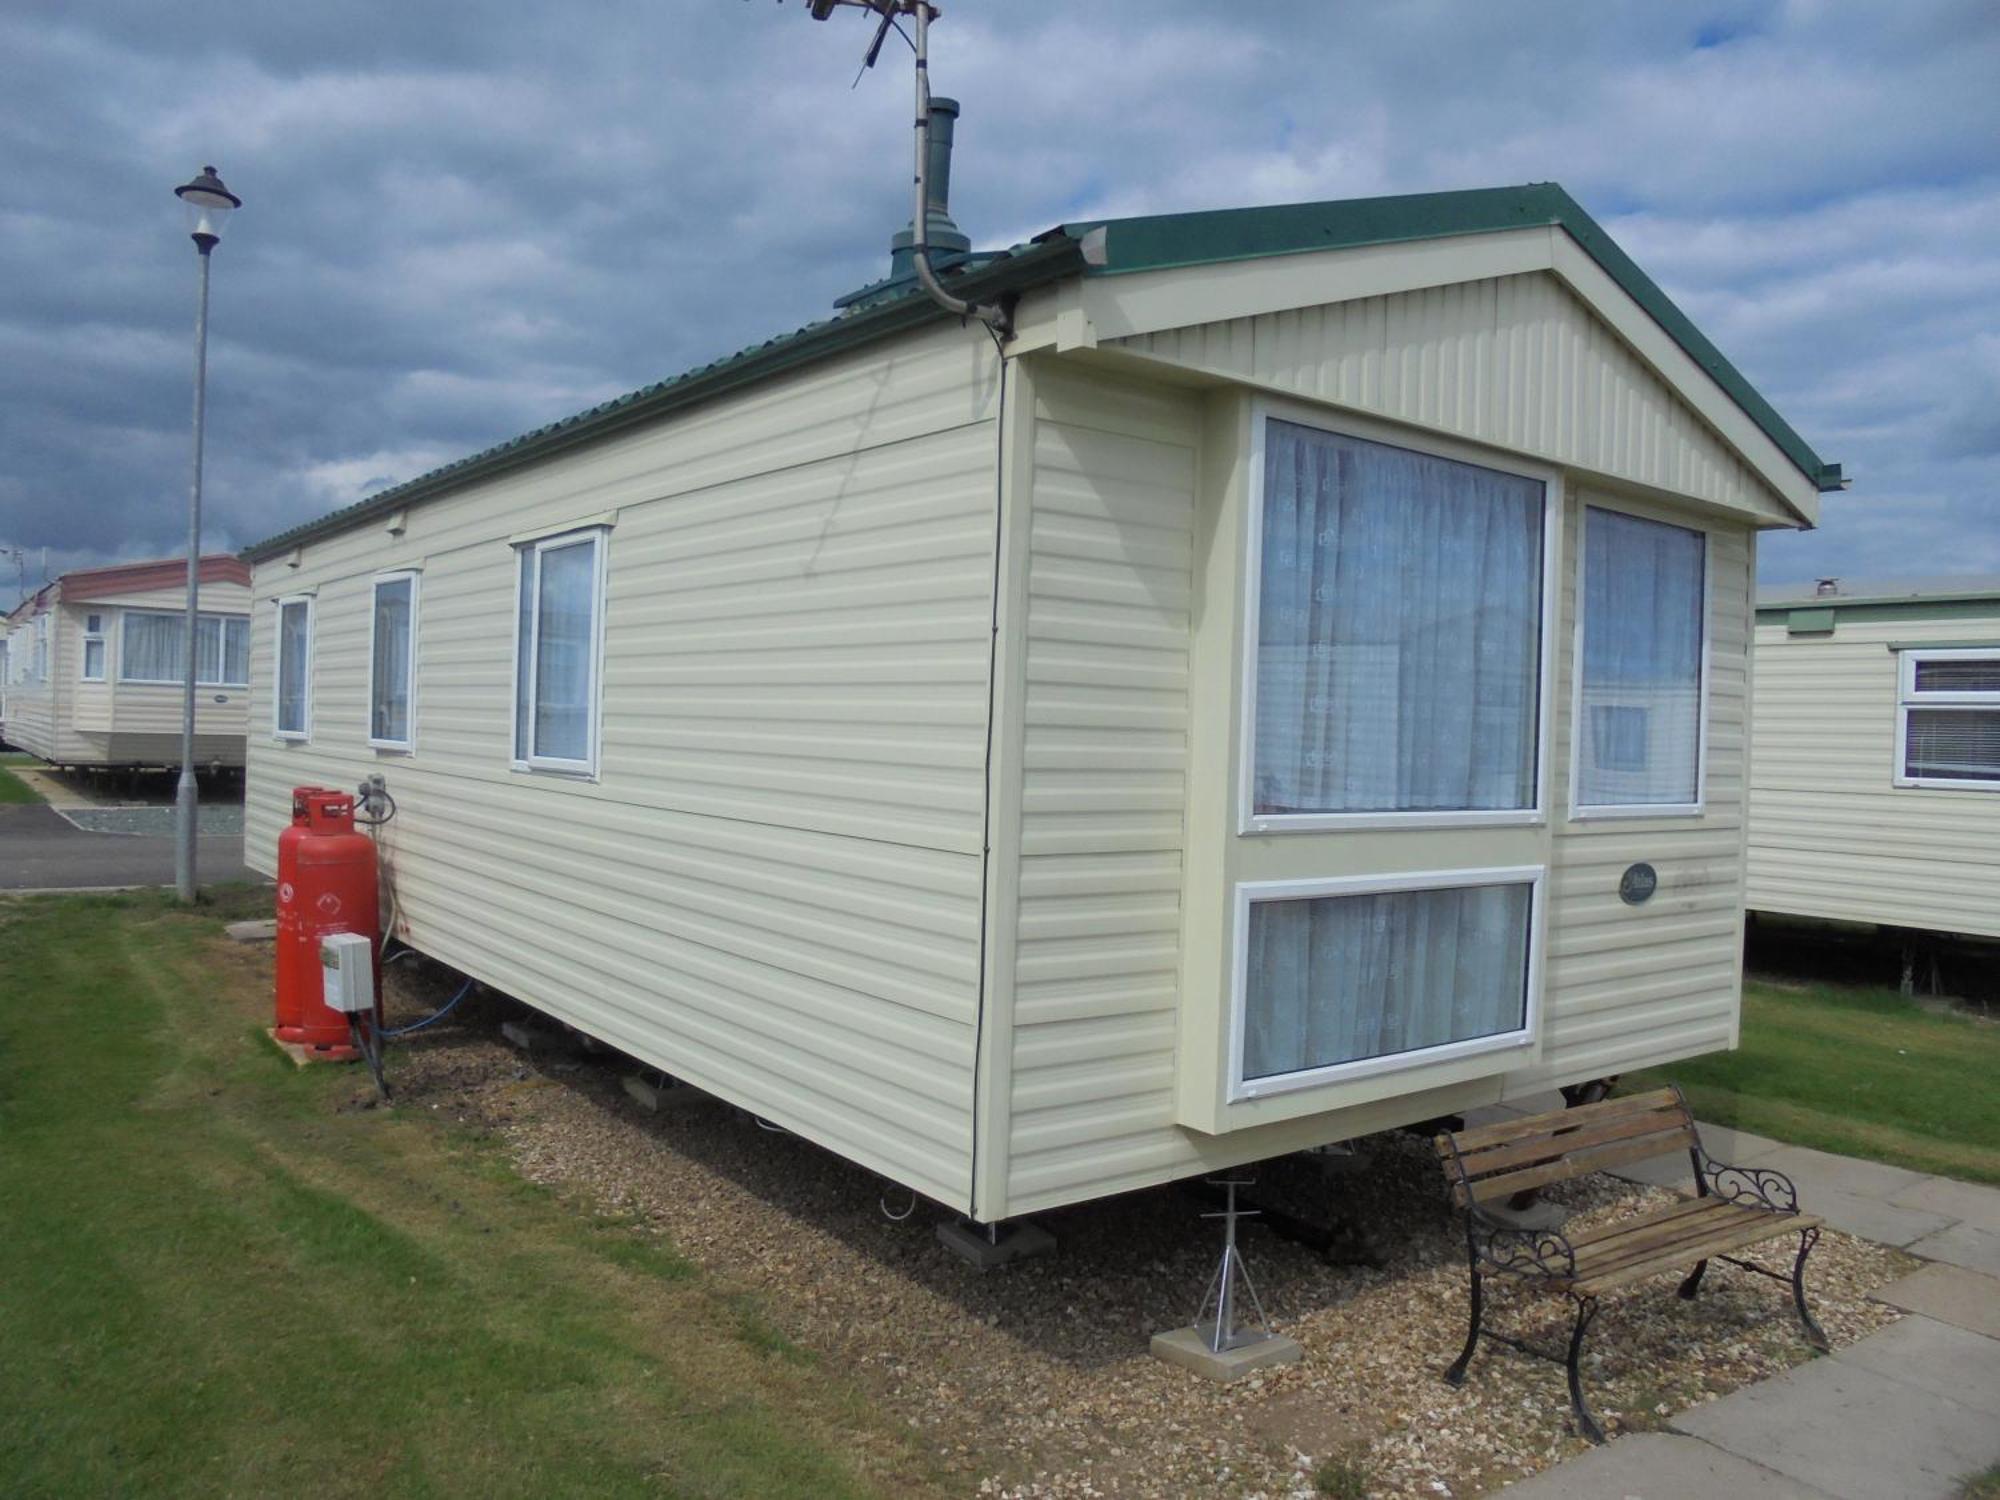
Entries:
{"x":137,"y":578}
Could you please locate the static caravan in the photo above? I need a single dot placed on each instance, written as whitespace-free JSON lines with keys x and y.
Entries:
{"x":1043,"y":765}
{"x":1875,"y":794}
{"x":95,"y":665}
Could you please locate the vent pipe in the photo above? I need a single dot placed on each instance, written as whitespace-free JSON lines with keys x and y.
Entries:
{"x":934,"y":150}
{"x":1827,"y":587}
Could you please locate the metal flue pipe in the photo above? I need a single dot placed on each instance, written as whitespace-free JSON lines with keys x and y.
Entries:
{"x":991,"y":314}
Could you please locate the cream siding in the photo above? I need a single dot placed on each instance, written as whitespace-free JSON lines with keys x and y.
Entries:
{"x":1831,"y":835}
{"x":1518,"y":362}
{"x":773,"y":888}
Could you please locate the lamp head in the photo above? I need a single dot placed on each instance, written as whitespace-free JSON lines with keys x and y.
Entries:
{"x":208,"y":203}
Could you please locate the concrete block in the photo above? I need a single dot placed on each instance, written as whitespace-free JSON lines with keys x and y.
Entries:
{"x":1674,"y":1171}
{"x":533,"y":1038}
{"x":1818,"y":1172}
{"x":666,"y":1099}
{"x":1950,"y":1294}
{"x":1961,"y":1245}
{"x":1936,"y":1357}
{"x":1660,"y":1466}
{"x":1188,"y":1348}
{"x":264,"y":931}
{"x":1020,"y":1239}
{"x":1851,"y":1431}
{"x":1967,"y":1202}
{"x":1541,"y":1214}
{"x":1869,"y":1217}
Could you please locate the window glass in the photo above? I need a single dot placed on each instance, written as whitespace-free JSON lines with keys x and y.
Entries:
{"x":564,"y":641}
{"x":294,"y":651}
{"x":1964,"y":674}
{"x":1643,"y":608}
{"x":389,"y":696}
{"x":1952,"y":744}
{"x":93,"y":658}
{"x":1399,"y":630}
{"x":524,"y":645}
{"x":151,"y":650}
{"x":1340,"y":979}
{"x":236,"y":652}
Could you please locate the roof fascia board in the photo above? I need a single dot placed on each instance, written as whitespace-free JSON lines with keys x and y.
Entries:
{"x":1605,"y":296}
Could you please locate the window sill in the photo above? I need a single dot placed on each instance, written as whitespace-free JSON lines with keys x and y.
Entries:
{"x":1358,"y":821}
{"x":394,"y":747}
{"x":1375,"y":1067}
{"x":1942,"y":784}
{"x":1636,"y":810}
{"x":567,"y":772}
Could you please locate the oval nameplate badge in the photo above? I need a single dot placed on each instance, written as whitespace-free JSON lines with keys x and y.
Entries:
{"x":1637,"y":884}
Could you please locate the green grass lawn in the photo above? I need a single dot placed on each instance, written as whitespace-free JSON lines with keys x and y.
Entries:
{"x":1859,"y":1071}
{"x":221,"y":1276}
{"x":12,"y":788}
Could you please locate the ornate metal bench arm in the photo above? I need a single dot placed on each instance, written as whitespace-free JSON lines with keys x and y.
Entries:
{"x":1765,"y":1187}
{"x":1511,"y":1250}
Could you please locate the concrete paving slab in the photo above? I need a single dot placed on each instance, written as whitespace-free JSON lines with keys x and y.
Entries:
{"x":1968,"y":1202}
{"x":1950,"y":1294}
{"x":1936,"y":1357}
{"x":1852,"y":1432}
{"x":1188,"y":1348}
{"x":1869,"y":1217}
{"x":1661,"y":1466}
{"x":1961,"y":1245}
{"x":1737,"y":1148}
{"x":1822,"y":1171}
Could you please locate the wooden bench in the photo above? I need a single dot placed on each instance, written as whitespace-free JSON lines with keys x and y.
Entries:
{"x":1734,"y":1208}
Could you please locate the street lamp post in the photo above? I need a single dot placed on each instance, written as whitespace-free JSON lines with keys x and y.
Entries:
{"x":208,"y":204}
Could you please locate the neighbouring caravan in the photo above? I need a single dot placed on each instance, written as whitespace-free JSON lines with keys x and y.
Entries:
{"x":96,"y":665}
{"x":1041,"y":767}
{"x":1875,"y":793}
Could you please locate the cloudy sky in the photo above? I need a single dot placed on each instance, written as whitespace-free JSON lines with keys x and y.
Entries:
{"x":464,"y":221}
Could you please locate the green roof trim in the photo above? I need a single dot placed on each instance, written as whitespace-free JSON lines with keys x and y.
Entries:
{"x":1165,"y":241}
{"x":1158,"y":242}
{"x":1027,"y":266}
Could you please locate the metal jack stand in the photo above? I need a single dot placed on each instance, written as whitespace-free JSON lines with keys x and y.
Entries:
{"x":1215,"y":1346}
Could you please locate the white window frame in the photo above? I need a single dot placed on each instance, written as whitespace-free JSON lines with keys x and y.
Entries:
{"x":1579,"y":811}
{"x":1249,"y":820}
{"x":278,"y":730}
{"x":221,"y":648}
{"x":94,"y":637}
{"x":415,"y":578}
{"x":1907,"y":698}
{"x":1246,"y":893}
{"x":522,"y":757}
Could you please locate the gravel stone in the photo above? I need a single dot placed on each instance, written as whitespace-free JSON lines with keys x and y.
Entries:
{"x":1035,"y":1381}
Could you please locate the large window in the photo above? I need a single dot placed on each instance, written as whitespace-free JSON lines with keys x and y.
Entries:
{"x":292,"y":670}
{"x":1345,"y":977}
{"x":1398,"y":636}
{"x":1639,"y":690}
{"x":1949,"y":713}
{"x":393,"y":663}
{"x":560,"y":603}
{"x":154,"y":645}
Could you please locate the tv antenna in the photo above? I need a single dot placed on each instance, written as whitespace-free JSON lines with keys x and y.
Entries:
{"x":921,"y":13}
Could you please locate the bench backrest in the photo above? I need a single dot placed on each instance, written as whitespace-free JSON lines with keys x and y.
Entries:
{"x":1497,"y":1161}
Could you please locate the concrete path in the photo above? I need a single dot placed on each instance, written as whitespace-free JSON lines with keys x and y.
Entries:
{"x":42,"y":850}
{"x":1906,"y":1414}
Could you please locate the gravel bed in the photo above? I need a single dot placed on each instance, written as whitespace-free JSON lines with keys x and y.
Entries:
{"x":1035,"y":1381}
{"x":213,"y":818}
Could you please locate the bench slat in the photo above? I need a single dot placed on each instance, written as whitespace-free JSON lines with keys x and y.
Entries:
{"x":1687,"y":1207}
{"x":1561,"y":1142}
{"x":1576,"y":1164}
{"x":1650,"y":1238}
{"x":1766,"y":1226}
{"x":1501,"y":1131}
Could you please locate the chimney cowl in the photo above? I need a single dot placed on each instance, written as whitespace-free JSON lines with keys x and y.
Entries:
{"x":1826,"y":587}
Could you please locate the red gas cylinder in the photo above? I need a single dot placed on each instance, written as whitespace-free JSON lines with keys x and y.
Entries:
{"x":326,"y":884}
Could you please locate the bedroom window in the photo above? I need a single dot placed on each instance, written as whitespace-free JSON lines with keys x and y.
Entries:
{"x":392,"y":662}
{"x":292,"y":670}
{"x":1948,"y":717}
{"x":1642,"y":666}
{"x":1397,"y":636}
{"x":559,"y":612}
{"x":93,"y":648}
{"x":1346,"y":977}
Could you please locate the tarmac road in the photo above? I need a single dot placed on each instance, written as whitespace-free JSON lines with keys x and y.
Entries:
{"x":42,"y":850}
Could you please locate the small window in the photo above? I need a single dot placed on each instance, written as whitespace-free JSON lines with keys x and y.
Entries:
{"x":393,"y":663}
{"x":93,"y":648}
{"x":1950,"y":719}
{"x":1640,"y":685}
{"x":1352,"y":976}
{"x":292,"y":669}
{"x":559,"y":611}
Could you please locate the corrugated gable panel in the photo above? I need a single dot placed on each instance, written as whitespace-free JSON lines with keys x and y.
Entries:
{"x":1831,"y":835}
{"x":1515,"y":361}
{"x":773,"y":889}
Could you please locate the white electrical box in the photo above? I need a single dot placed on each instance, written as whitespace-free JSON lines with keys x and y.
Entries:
{"x":347,"y":965}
